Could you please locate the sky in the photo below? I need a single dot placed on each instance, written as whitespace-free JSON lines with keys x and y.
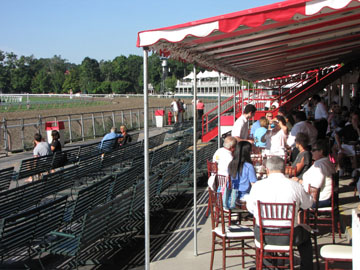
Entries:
{"x":99,"y":29}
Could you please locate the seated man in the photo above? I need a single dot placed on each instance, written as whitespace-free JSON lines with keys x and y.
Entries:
{"x":224,"y":155}
{"x":279,"y":189}
{"x":347,"y":135}
{"x":106,"y":143}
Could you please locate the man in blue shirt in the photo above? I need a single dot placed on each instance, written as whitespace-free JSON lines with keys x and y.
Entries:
{"x":107,"y":146}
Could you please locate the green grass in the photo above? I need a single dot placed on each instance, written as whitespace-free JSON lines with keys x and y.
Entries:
{"x":46,"y":103}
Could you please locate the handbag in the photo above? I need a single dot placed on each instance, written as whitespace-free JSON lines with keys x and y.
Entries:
{"x":229,"y":196}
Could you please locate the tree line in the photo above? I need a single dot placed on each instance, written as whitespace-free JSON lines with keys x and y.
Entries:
{"x":26,"y":74}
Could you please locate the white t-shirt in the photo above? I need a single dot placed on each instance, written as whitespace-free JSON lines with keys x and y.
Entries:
{"x":240,"y":128}
{"x":320,"y":111}
{"x":304,"y":127}
{"x":223,"y":157}
{"x":275,"y":143}
{"x":319,"y":176}
{"x":174,"y":106}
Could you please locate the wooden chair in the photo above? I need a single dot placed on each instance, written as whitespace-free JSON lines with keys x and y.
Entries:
{"x":212,"y":168}
{"x":312,"y":215}
{"x":226,"y":236}
{"x":336,"y":253}
{"x":275,"y":213}
{"x":333,"y":210}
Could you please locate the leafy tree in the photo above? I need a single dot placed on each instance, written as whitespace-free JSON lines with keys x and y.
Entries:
{"x":72,"y":80}
{"x":21,"y":76}
{"x":89,"y":75}
{"x":4,"y":74}
{"x":120,"y":66}
{"x":170,"y":83}
{"x":106,"y":70}
{"x":41,"y":82}
{"x":121,"y":87}
{"x":104,"y":88}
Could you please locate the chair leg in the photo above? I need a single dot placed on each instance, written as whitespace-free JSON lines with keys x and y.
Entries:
{"x":208,"y":209}
{"x":339,"y":226}
{"x":326,"y":264}
{"x":224,"y":252}
{"x":261,"y":254}
{"x":212,"y":251}
{"x":316,"y":251}
{"x":291,"y":254}
{"x":242,"y":253}
{"x":333,"y":227}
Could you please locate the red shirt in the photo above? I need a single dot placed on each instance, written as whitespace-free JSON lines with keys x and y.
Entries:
{"x":200,"y":106}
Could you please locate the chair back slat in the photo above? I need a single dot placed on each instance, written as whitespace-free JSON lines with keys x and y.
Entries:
{"x":212,"y":168}
{"x":223,"y":181}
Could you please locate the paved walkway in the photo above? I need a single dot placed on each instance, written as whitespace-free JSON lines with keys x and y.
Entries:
{"x":179,"y":251}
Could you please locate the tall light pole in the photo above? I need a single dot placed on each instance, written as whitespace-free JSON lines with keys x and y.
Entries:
{"x":164,"y":73}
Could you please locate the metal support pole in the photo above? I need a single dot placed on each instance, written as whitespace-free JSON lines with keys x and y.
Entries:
{"x":82,"y":127}
{"x":195,"y":165}
{"x":146,"y":163}
{"x":219,"y":112}
{"x":70,"y":132}
{"x":242,"y":97}
{"x":93,"y":125}
{"x":234,"y":101}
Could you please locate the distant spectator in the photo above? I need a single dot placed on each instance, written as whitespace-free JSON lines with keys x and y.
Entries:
{"x":302,"y":126}
{"x":303,"y":160}
{"x":110,"y":136}
{"x":181,"y":110}
{"x":200,"y":109}
{"x":126,"y":138}
{"x":175,"y":110}
{"x":320,"y":109}
{"x":55,"y":144}
{"x":261,"y":132}
{"x":41,"y":148}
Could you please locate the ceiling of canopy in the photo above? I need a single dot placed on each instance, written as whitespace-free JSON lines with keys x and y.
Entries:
{"x":270,"y":41}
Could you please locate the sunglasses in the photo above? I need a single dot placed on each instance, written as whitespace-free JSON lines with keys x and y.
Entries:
{"x":315,"y":149}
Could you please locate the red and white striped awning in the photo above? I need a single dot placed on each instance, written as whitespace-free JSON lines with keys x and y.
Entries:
{"x":274,"y":40}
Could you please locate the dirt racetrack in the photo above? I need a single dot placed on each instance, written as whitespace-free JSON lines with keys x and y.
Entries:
{"x":115,"y":104}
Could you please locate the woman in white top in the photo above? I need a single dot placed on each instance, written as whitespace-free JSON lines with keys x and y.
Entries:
{"x":275,"y":137}
{"x":320,"y":173}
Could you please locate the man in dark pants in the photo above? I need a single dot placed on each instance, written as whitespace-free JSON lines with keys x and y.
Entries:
{"x":277,"y":188}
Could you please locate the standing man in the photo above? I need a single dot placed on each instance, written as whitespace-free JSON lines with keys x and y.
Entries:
{"x":240,"y":128}
{"x":224,"y":155}
{"x":303,"y":126}
{"x":41,"y":148}
{"x":320,"y":109}
{"x":279,"y":189}
{"x":175,"y":109}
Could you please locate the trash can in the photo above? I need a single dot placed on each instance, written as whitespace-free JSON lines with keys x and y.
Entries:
{"x":159,"y":118}
{"x":55,"y":125}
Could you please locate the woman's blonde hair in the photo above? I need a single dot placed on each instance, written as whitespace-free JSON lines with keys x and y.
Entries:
{"x":123,"y":127}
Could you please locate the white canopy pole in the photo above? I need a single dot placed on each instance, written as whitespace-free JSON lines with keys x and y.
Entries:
{"x":242,"y":97}
{"x":219,"y":112}
{"x":234,"y":108}
{"x":146,"y":162}
{"x":195,"y":165}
